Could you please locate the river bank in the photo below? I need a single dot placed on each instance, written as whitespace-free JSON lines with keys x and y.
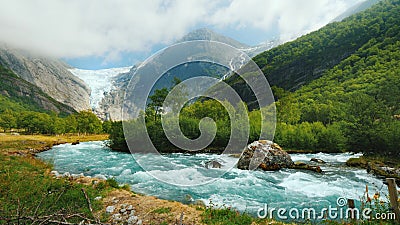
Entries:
{"x":243,"y":190}
{"x":29,"y":192}
{"x":25,"y":178}
{"x":382,"y":167}
{"x":29,"y":145}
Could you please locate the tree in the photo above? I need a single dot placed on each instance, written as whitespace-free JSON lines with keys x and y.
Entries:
{"x":107,"y":125}
{"x":288,"y":110}
{"x":157,"y":100}
{"x":88,"y":123}
{"x":7,"y":120}
{"x":117,"y":138}
{"x":71,"y":124}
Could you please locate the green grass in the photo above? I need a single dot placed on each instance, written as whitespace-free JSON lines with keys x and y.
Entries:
{"x":226,"y":216}
{"x":162,"y":210}
{"x":28,"y":194}
{"x":112,"y":182}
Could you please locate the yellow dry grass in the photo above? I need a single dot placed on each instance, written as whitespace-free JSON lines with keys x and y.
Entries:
{"x":31,"y":144}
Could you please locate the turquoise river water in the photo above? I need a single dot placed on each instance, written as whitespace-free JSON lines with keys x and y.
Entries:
{"x":243,"y":190}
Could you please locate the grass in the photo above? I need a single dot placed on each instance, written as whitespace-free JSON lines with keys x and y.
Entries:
{"x":30,"y":144}
{"x":222,"y":215}
{"x":162,"y":210}
{"x":28,"y":194}
{"x":226,"y":216}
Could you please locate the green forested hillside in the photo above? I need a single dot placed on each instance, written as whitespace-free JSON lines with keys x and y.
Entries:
{"x":299,"y":62}
{"x":358,"y":99}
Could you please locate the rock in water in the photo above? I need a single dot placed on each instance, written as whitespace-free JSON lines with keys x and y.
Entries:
{"x":265,"y":155}
{"x":213,"y":164}
{"x":304,"y":166}
{"x":317,"y":160}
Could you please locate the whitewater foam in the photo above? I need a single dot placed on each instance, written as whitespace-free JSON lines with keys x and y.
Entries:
{"x":242,"y":189}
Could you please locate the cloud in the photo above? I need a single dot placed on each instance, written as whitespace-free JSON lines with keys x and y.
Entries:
{"x":81,"y":28}
{"x":292,"y":18}
{"x":76,"y":28}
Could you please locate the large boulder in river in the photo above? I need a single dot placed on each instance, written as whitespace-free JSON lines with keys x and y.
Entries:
{"x":265,"y":155}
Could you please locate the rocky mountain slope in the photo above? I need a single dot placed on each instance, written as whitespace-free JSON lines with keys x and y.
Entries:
{"x":17,"y":94}
{"x":109,"y":107}
{"x":106,"y":90}
{"x":50,"y":75}
{"x":207,"y":34}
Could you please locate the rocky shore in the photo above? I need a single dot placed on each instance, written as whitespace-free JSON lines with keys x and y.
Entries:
{"x":378,"y":167}
{"x":123,"y":206}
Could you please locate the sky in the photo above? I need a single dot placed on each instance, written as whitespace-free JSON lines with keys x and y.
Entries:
{"x":95,"y":34}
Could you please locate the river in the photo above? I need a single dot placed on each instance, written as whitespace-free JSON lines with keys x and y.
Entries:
{"x":244,"y":190}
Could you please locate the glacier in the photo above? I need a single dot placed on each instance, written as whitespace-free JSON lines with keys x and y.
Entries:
{"x":99,"y":81}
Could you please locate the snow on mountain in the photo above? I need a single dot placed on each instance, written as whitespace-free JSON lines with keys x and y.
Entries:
{"x":99,"y":81}
{"x":262,"y":47}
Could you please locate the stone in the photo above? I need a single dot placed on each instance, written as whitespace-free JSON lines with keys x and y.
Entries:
{"x":66,"y":174}
{"x":264,"y":155}
{"x":139,"y":222}
{"x":110,"y":209}
{"x":117,"y":217}
{"x":317,"y":160}
{"x":129,"y":207}
{"x":200,"y":203}
{"x":213,"y":164}
{"x":188,"y":198}
{"x":100,"y":176}
{"x":132,"y":220}
{"x":98,"y":198}
{"x":122,"y":210}
{"x":76,"y":176}
{"x":55,"y":173}
{"x":304,"y":166}
{"x":298,"y":163}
